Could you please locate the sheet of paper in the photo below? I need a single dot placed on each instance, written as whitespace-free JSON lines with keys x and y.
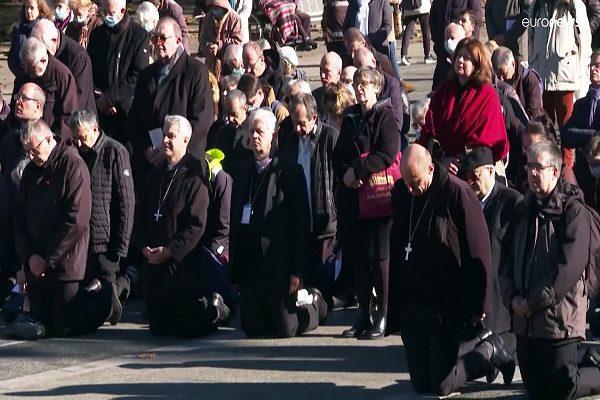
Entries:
{"x":156,"y":136}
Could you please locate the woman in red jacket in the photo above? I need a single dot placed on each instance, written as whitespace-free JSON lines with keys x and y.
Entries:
{"x":465,"y":111}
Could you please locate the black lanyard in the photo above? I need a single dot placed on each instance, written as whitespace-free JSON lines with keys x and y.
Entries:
{"x":251,"y":200}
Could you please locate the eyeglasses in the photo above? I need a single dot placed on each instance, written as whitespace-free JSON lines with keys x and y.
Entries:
{"x":537,"y":168}
{"x":23,"y":98}
{"x":35,"y":149}
{"x":347,"y":81}
{"x":251,"y":67}
{"x":156,"y":38}
{"x":362,"y":85}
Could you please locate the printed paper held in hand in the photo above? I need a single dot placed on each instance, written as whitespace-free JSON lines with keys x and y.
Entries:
{"x":156,"y":136}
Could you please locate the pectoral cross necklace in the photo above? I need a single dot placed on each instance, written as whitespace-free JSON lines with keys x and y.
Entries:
{"x":161,"y":201}
{"x":411,"y":231}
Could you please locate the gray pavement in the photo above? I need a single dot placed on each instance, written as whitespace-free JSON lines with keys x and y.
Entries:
{"x":125,"y":361}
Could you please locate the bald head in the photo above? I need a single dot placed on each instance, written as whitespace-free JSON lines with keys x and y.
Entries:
{"x":115,"y":10}
{"x":45,"y":31}
{"x":417,"y":169}
{"x":363,"y":57}
{"x":29,"y":102}
{"x":331,"y":68}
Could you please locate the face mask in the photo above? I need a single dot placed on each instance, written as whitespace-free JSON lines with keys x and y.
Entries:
{"x":450,"y":46}
{"x":218,"y":13}
{"x":110,"y":20}
{"x":595,"y":171}
{"x":148,"y":26}
{"x":61,"y":14}
{"x":238,"y":71}
{"x":252,"y":108}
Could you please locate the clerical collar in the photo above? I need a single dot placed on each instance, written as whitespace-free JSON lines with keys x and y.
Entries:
{"x":171,"y":167}
{"x":262,"y":164}
{"x":487,"y":196}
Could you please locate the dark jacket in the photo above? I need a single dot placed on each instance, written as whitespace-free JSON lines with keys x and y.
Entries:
{"x":528,"y":88}
{"x":543,"y":262}
{"x":442,"y":13}
{"x":216,"y":238}
{"x":275,"y":244}
{"x":322,"y":177}
{"x":380,"y":22}
{"x":185,"y":91}
{"x":184,"y":213}
{"x":374,"y":132}
{"x":235,"y":143}
{"x":332,"y":23}
{"x":498,"y":14}
{"x":18,"y":37}
{"x":593,"y":12}
{"x":53,"y":213}
{"x":448,"y":273}
{"x":118,"y":56}
{"x":81,"y":34}
{"x":113,"y":199}
{"x":499,"y":216}
{"x":392,"y":90}
{"x":60,"y":89}
{"x":174,"y":10}
{"x":578,"y":129}
{"x":78,"y":61}
{"x":273,"y":75}
{"x":589,"y":185}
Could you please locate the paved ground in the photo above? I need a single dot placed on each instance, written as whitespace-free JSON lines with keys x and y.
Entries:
{"x":127,"y":362}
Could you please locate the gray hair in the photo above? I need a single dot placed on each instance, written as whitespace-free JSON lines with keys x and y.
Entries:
{"x":502,"y":56}
{"x":369,"y":74}
{"x":33,"y":50}
{"x":183,"y":125}
{"x":83,"y":118}
{"x":233,"y":52}
{"x":174,"y":24}
{"x":146,"y":11}
{"x":308,"y":101}
{"x":17,"y":173}
{"x":302,"y":85}
{"x":256,"y":47}
{"x":42,"y":27}
{"x":236,"y":95}
{"x":418,"y":110}
{"x":546,"y":146}
{"x":229,"y":80}
{"x":265,"y":116}
{"x":34,"y":128}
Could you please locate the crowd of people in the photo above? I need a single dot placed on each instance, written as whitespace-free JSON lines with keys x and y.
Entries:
{"x":129,"y":166}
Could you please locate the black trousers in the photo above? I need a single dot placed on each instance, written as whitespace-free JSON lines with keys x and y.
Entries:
{"x":442,"y":68}
{"x":410,"y":22}
{"x":438,"y":361}
{"x":50,"y":300}
{"x":175,"y":302}
{"x":100,"y":267}
{"x":549,"y":369}
{"x":264,"y":313}
{"x":303,"y":24}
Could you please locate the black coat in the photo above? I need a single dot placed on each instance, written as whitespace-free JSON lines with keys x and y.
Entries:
{"x":53,"y":213}
{"x":185,"y":91}
{"x":118,"y":55}
{"x":78,"y":61}
{"x":113,"y":199}
{"x":392,"y":90}
{"x":578,"y":130}
{"x":235,"y":143}
{"x":324,"y":215}
{"x":380,"y":22}
{"x":279,"y":225}
{"x":499,"y":216}
{"x":448,"y":272}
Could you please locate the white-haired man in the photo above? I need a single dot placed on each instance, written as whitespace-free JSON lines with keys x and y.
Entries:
{"x":57,"y":82}
{"x":168,"y":229}
{"x":70,"y":53}
{"x":269,"y":239}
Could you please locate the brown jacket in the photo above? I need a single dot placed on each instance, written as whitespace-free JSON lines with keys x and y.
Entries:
{"x":222,"y":33}
{"x":543,"y":262}
{"x":53,"y":213}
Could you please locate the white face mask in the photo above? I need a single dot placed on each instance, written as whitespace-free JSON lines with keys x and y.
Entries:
{"x":61,"y":14}
{"x":595,"y":171}
{"x":148,"y":26}
{"x":450,"y":46}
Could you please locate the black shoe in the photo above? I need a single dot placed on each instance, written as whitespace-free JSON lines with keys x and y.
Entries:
{"x":361,"y":325}
{"x":222,"y":309}
{"x":304,"y":47}
{"x":378,"y":330}
{"x":116,"y":309}
{"x":312,"y":43}
{"x":491,"y":377}
{"x":320,"y":304}
{"x":501,"y":358}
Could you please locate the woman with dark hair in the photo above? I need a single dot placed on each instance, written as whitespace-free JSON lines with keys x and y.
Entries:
{"x":465,"y":111}
{"x":31,"y":12}
{"x":368,"y":143}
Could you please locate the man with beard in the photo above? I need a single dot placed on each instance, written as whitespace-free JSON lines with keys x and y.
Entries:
{"x":170,"y":223}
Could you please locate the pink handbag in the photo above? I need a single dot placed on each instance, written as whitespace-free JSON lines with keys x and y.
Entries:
{"x":375,"y":195}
